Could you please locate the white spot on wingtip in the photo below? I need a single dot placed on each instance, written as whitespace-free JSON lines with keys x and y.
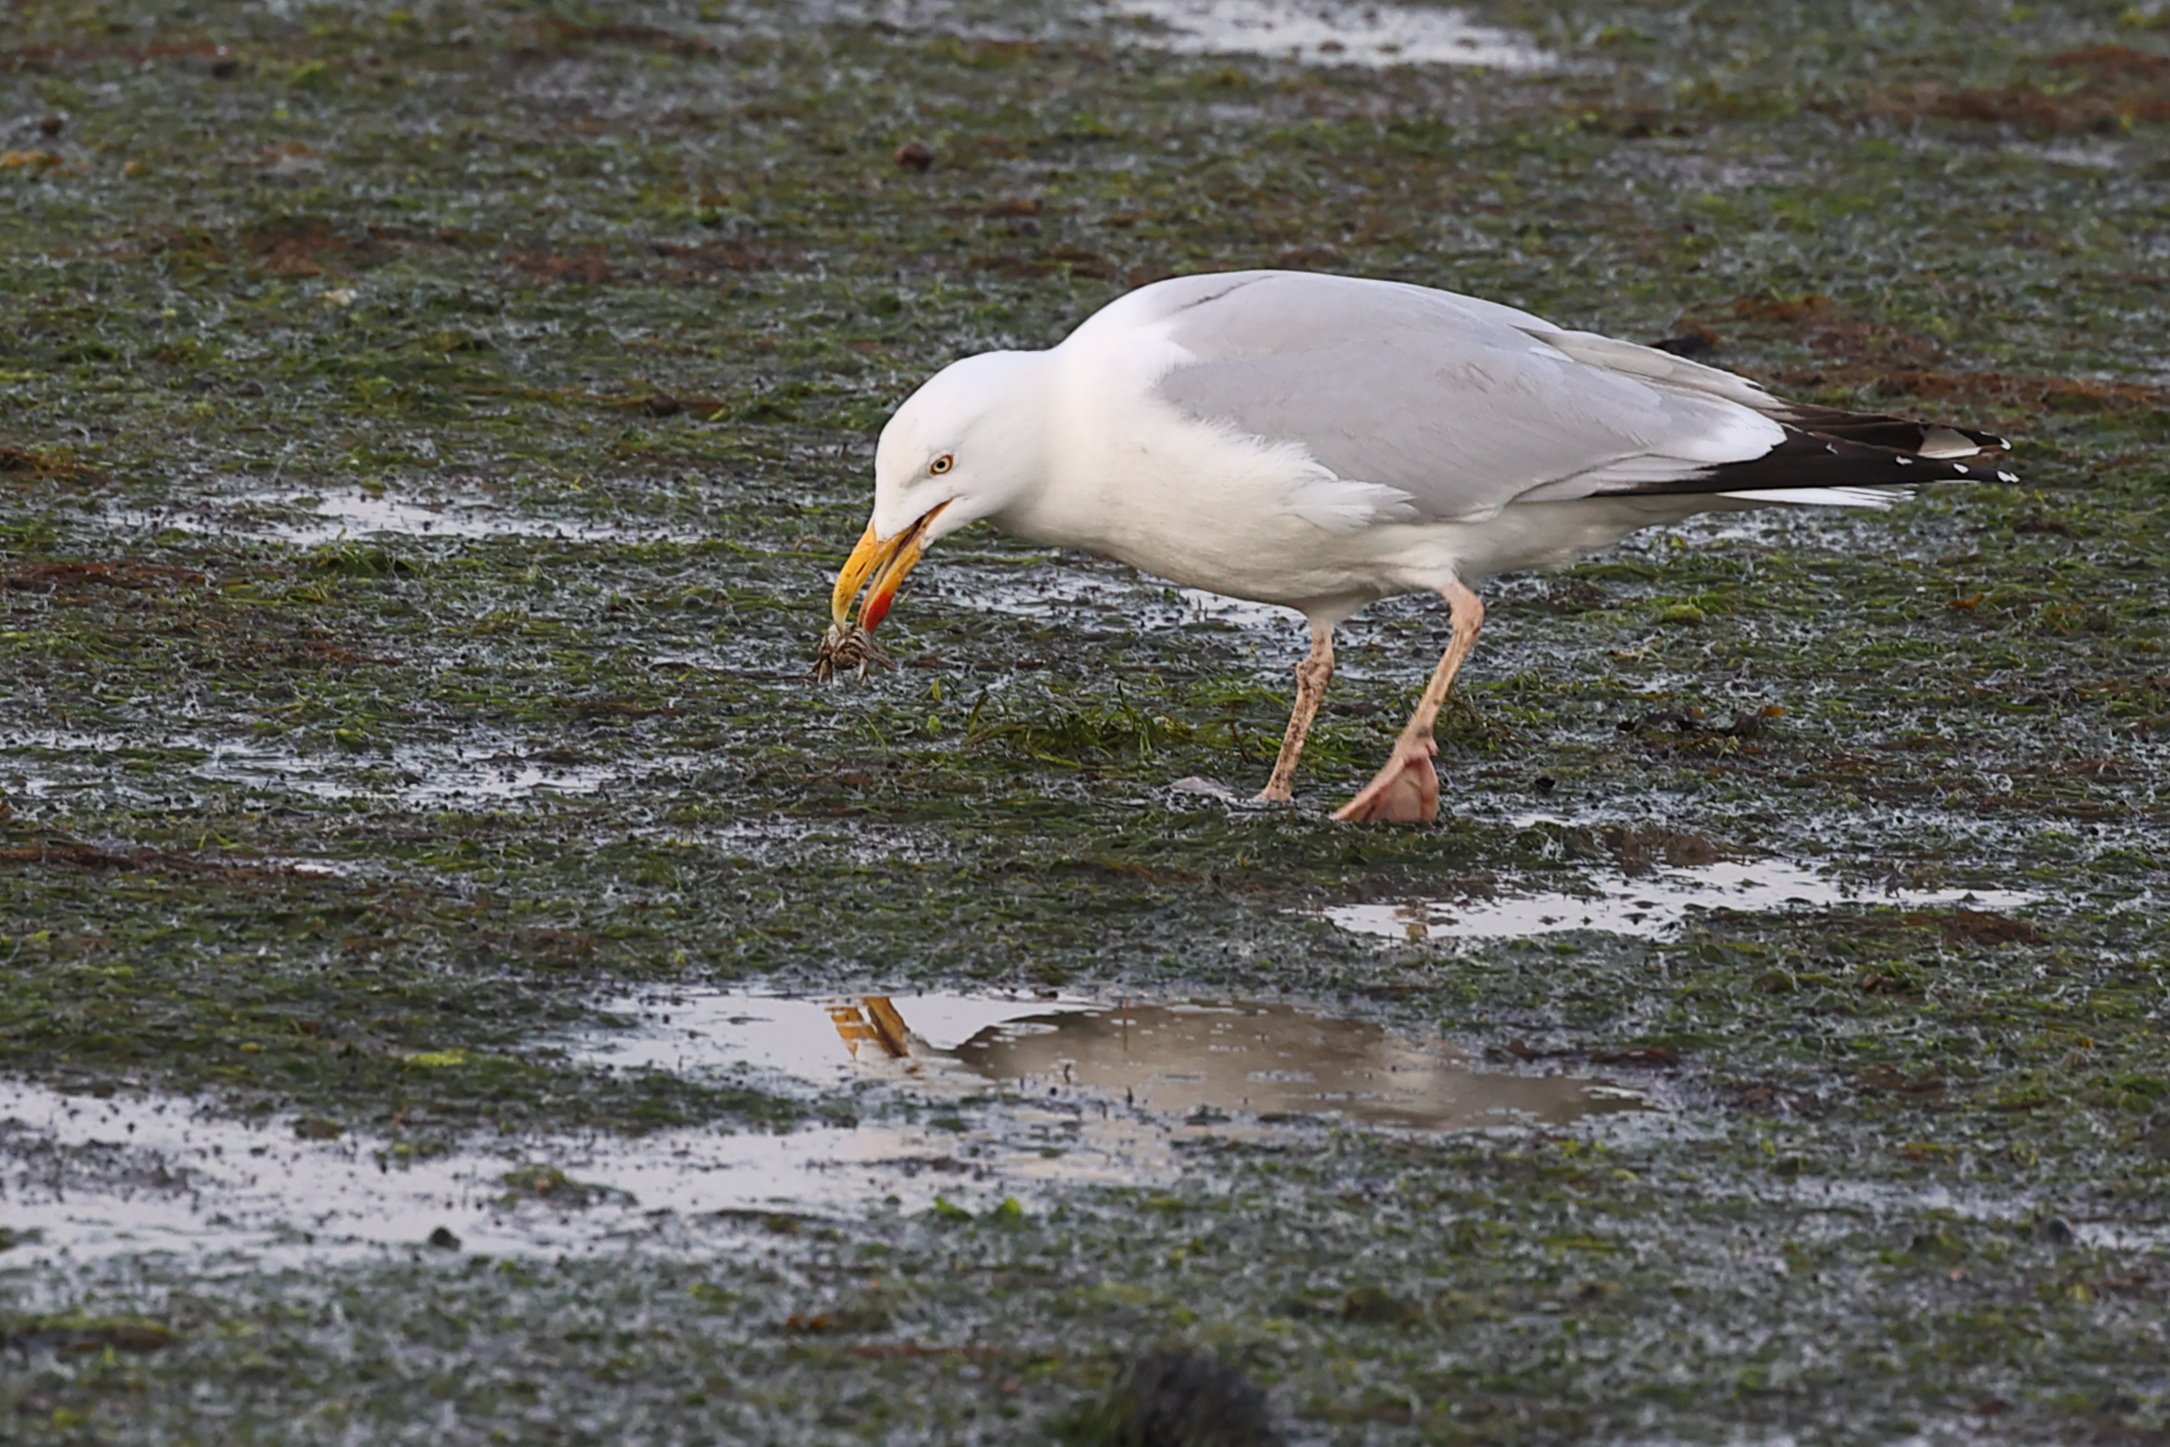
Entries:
{"x":1960,"y":468}
{"x":2007,"y":477}
{"x":1904,"y":461}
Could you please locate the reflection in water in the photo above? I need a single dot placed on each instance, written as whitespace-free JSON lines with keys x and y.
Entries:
{"x":1170,"y":1060}
{"x":1271,"y":1060}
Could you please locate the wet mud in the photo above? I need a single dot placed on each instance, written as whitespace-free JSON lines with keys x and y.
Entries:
{"x":459,"y":976}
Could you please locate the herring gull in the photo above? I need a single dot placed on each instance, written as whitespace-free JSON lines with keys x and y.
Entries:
{"x":1322,"y":442}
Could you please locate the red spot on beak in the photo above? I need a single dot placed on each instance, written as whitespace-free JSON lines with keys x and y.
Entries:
{"x":877,"y":608}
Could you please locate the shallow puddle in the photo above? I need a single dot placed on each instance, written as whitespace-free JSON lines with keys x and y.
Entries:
{"x":428,"y":777}
{"x":57,"y":764}
{"x":1334,"y":32}
{"x":313,"y":517}
{"x":972,"y":1098}
{"x":1178,"y":1060}
{"x":1648,"y":905}
{"x":1054,"y":591}
{"x":1125,"y":600}
{"x":84,"y":1179}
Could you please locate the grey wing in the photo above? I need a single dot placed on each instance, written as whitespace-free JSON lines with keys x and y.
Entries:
{"x":1451,"y":408}
{"x":1463,"y":406}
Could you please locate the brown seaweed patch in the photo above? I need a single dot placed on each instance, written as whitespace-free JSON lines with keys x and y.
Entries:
{"x":2120,"y":62}
{"x":2013,"y":394}
{"x":44,"y":59}
{"x":1986,"y":927}
{"x":64,"y":853}
{"x":299,"y":246}
{"x":305,"y":246}
{"x":583,"y":268}
{"x":1049,"y":261}
{"x":1821,"y":324}
{"x":72,"y":578}
{"x":22,"y":462}
{"x":79,"y":1336}
{"x":557,"y":36}
{"x":1641,"y":850}
{"x":2120,"y":88}
{"x":694,"y":265}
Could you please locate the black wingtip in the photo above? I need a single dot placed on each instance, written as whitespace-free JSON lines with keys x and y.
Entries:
{"x":1899,"y":434}
{"x":1817,"y":460}
{"x":1688,"y":344}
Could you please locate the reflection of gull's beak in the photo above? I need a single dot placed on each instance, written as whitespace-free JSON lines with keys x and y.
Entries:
{"x":871,"y":1021}
{"x":851,"y":1027}
{"x":885,"y":563}
{"x":888,"y":1024}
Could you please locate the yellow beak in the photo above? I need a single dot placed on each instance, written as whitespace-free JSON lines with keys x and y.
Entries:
{"x":885,"y":563}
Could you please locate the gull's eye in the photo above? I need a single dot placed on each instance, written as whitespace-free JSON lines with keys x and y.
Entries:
{"x":942,"y":464}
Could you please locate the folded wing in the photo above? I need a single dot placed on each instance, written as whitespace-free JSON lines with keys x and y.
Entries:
{"x":1422,"y":405}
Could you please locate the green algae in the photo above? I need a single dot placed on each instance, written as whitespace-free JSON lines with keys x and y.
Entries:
{"x":667,"y":275}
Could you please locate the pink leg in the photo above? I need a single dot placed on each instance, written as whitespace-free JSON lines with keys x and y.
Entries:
{"x":1406,"y":790}
{"x":1311,"y":678}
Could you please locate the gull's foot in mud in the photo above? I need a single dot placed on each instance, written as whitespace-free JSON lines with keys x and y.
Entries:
{"x":1196,"y":786}
{"x":1405,"y":791}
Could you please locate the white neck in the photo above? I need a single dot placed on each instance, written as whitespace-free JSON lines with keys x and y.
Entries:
{"x":1017,"y":422}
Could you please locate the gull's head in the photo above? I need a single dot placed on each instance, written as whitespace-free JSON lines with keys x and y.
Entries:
{"x":963,"y":447}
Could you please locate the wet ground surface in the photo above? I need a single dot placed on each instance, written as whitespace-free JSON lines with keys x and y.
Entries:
{"x":459,"y":981}
{"x":1034,"y":1094}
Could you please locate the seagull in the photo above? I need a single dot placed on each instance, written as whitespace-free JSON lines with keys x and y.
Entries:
{"x":1321,"y":442}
